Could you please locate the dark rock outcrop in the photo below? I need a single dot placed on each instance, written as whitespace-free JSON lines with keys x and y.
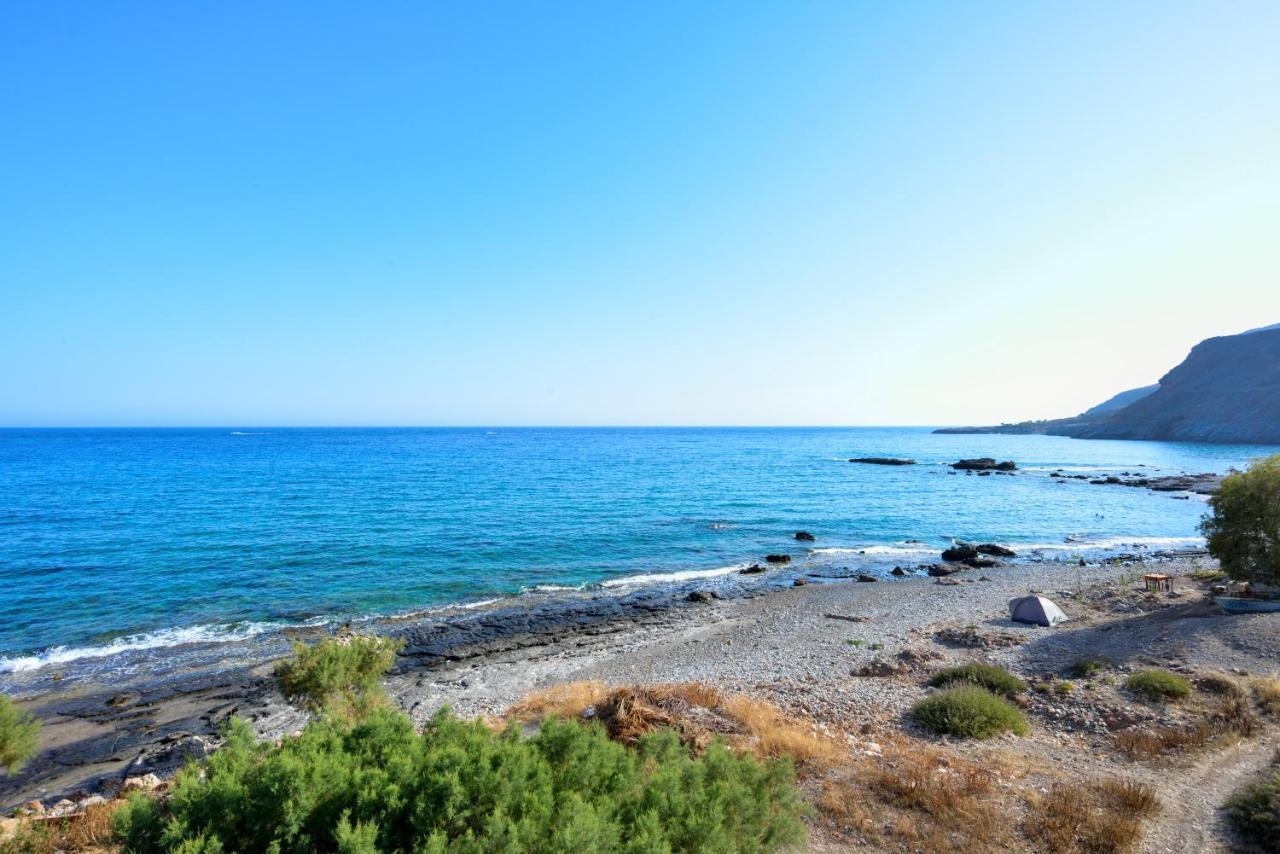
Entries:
{"x":754,"y":569}
{"x":995,"y":550}
{"x":984,"y":464}
{"x":805,"y":536}
{"x":777,"y":558}
{"x":883,"y":461}
{"x":704,"y":596}
{"x":960,"y":552}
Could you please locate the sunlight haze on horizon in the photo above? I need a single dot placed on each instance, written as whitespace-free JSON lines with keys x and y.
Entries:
{"x":572,"y":214}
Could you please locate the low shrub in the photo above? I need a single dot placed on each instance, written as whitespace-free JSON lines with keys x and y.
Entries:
{"x":1102,"y":816}
{"x":1253,"y":811}
{"x":1219,"y":683}
{"x":997,"y":680}
{"x":340,"y":675}
{"x":1158,"y":685}
{"x":19,"y":736}
{"x":376,"y":785}
{"x":1266,"y":689}
{"x":1085,"y":667}
{"x":968,"y":711}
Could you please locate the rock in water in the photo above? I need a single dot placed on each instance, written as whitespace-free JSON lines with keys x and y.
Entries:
{"x":984,"y":464}
{"x":995,"y":550}
{"x":754,"y":569}
{"x":777,"y":558}
{"x":883,"y":461}
{"x":862,"y":576}
{"x":805,"y":536}
{"x":960,"y":552}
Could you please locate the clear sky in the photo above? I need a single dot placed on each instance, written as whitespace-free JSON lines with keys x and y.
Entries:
{"x":686,"y":213}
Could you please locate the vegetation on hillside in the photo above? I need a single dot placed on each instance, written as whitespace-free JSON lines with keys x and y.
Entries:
{"x":1253,"y":811}
{"x":1243,"y":531}
{"x":969,"y":711}
{"x":997,"y":680}
{"x":1158,"y":685}
{"x":340,"y":676}
{"x":19,"y":736}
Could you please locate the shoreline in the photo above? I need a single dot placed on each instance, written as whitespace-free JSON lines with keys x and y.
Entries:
{"x":485,"y":660}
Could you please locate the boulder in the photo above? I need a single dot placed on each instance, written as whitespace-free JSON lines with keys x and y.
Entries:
{"x":805,"y":537}
{"x":995,"y":550}
{"x":800,"y":582}
{"x":754,"y":569}
{"x":960,"y":552}
{"x":862,"y":576}
{"x":777,"y":558}
{"x":981,"y":562}
{"x":702,"y":596}
{"x":898,"y":571}
{"x":940,"y":569}
{"x":984,"y":464}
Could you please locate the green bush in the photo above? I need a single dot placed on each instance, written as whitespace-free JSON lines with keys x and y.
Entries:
{"x":970,"y":712}
{"x":1254,"y":811}
{"x":340,"y":675}
{"x":1243,"y":532}
{"x":376,"y":785}
{"x":1158,"y":685}
{"x":19,"y":736}
{"x":995,"y":679}
{"x":1084,"y":668}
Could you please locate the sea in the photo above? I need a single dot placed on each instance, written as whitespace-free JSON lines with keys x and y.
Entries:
{"x":125,"y":549}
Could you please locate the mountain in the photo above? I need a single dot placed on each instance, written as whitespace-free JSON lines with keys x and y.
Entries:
{"x":1226,"y":390}
{"x":1120,"y":401}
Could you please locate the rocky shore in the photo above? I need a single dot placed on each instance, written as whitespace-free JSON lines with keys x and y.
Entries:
{"x":771,"y":635}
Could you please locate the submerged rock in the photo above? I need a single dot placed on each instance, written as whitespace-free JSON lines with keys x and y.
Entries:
{"x":777,"y":558}
{"x":754,"y":569}
{"x":805,"y":536}
{"x":883,"y":461}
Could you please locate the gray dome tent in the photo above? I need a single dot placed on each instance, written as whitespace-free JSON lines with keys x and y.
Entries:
{"x":1035,"y":609}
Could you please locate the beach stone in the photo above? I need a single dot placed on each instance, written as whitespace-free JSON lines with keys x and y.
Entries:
{"x":702,"y":596}
{"x":800,"y":582}
{"x":864,"y":577}
{"x":144,"y":783}
{"x":937,"y":570}
{"x":805,"y":536}
{"x":960,"y":552}
{"x":981,"y":562}
{"x":898,"y":571}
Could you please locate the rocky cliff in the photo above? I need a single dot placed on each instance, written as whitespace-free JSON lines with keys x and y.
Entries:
{"x":1226,"y":390}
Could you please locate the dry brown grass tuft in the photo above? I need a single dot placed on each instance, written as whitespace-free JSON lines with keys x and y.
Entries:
{"x":698,"y":712}
{"x":87,"y":832}
{"x":919,"y":798}
{"x":1232,"y":720}
{"x":1266,"y":689}
{"x":773,"y":733}
{"x":1219,"y":683}
{"x":1104,"y":817}
{"x":569,"y":700}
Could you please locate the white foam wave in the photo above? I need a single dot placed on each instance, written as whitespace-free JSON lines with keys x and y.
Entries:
{"x":668,"y":577}
{"x":148,"y":640}
{"x":1079,"y":544}
{"x":897,"y":549}
{"x":247,"y":433}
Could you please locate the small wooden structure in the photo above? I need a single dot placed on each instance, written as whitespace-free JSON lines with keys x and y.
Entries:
{"x":1157,"y":581}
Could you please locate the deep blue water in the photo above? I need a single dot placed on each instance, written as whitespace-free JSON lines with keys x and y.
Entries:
{"x":119,"y":538}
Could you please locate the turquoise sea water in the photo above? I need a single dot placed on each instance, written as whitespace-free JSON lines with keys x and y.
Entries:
{"x":118,"y":540}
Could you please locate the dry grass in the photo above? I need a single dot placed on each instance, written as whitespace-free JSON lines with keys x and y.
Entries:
{"x":88,"y":832}
{"x":1103,"y":817}
{"x":1232,"y":720}
{"x":698,"y":712}
{"x":1266,"y":690}
{"x":1219,"y":683}
{"x":919,"y":798}
{"x":569,"y":700}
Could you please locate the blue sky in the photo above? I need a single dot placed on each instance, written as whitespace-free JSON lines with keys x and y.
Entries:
{"x":774,"y":213}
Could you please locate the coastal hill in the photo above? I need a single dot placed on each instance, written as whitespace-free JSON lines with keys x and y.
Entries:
{"x":1226,"y":390}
